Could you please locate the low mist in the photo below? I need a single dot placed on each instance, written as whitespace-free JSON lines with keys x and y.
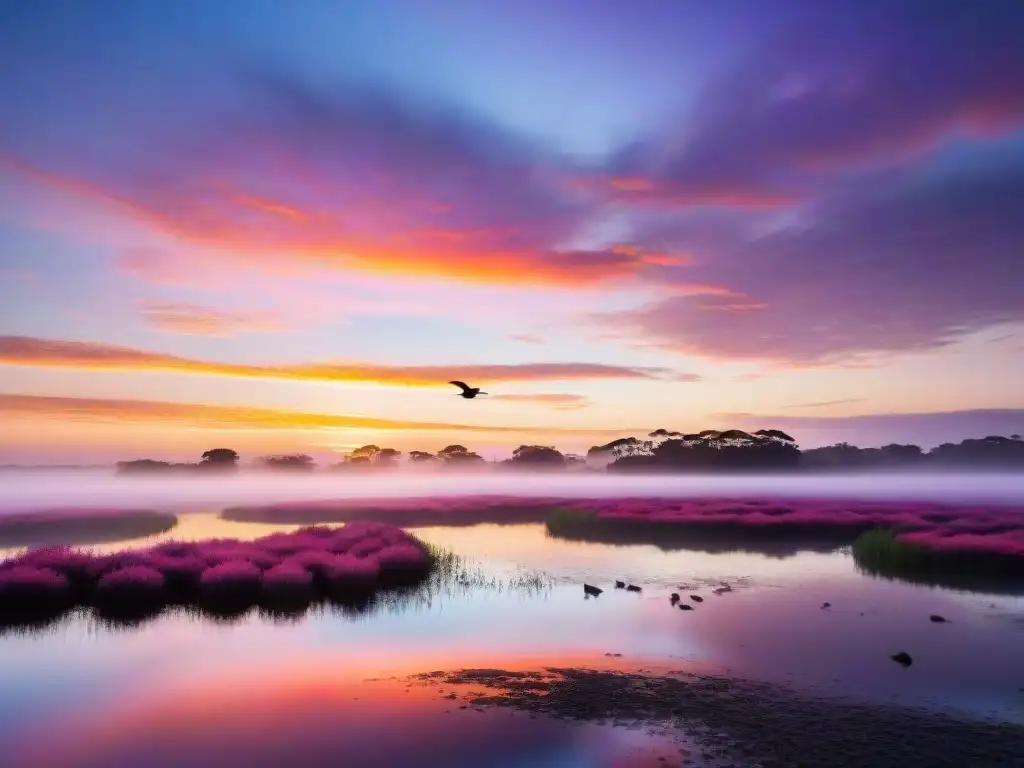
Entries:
{"x":27,"y":490}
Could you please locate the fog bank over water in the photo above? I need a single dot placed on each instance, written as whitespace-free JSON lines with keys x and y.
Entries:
{"x":35,"y":489}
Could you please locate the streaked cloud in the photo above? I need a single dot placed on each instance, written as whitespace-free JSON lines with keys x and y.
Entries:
{"x":196,"y":320}
{"x":827,"y":403}
{"x":229,"y":417}
{"x":53,"y":353}
{"x":559,"y":402}
{"x":526,"y":338}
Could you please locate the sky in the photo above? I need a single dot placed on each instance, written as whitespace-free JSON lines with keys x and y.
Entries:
{"x":284,"y":227}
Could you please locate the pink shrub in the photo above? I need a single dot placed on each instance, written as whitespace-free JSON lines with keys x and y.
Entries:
{"x":120,"y":560}
{"x":133,"y":578}
{"x":230,"y":587}
{"x":366,"y":547}
{"x":349,"y":574}
{"x":402,"y":556}
{"x":284,"y":544}
{"x":179,"y":572}
{"x":230,"y":573}
{"x":315,"y":561}
{"x":286,"y":587}
{"x":1009,"y":544}
{"x":226,"y":574}
{"x":177,"y":549}
{"x":132,"y":591}
{"x":402,"y":564}
{"x":287,"y":574}
{"x":72,"y":564}
{"x":30,"y":588}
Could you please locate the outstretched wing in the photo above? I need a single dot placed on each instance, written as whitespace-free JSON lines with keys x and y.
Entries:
{"x":462,"y":385}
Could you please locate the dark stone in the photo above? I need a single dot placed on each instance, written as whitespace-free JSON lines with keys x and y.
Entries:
{"x":902,"y":658}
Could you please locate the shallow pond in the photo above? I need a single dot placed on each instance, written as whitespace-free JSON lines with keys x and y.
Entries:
{"x":181,"y":689}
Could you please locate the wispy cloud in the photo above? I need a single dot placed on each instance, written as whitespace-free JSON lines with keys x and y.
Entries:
{"x":231,"y":417}
{"x":196,"y":320}
{"x":526,"y":338}
{"x":826,"y":403}
{"x":559,"y":402}
{"x":52,"y":353}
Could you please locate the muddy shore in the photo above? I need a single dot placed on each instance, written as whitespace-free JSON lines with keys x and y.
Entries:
{"x":746,"y":723}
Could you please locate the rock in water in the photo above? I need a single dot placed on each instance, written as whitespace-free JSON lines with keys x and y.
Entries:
{"x":591,"y":590}
{"x":697,"y":598}
{"x":685,"y":607}
{"x":620,"y":585}
{"x":936,"y":619}
{"x":826,"y":605}
{"x":633,"y":588}
{"x":674,"y":597}
{"x":902,"y":658}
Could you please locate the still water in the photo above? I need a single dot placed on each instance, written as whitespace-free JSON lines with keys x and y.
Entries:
{"x":185,"y":690}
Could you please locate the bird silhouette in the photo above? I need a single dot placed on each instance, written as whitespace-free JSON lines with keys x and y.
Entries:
{"x":468,"y":392}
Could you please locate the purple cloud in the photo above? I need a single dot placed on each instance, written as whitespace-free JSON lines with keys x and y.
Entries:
{"x":832,"y":86}
{"x":899,"y":261}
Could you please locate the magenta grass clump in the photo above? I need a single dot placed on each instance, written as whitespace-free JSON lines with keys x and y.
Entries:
{"x":28,"y":592}
{"x":287,"y":587}
{"x":231,"y":586}
{"x":402,"y":564}
{"x":314,"y":561}
{"x":818,"y":523}
{"x":134,"y":590}
{"x":348,"y":576}
{"x":283,"y":571}
{"x":74,"y":565}
{"x":181,"y":573}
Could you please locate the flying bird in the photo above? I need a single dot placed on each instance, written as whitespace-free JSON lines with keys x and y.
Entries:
{"x":468,"y":392}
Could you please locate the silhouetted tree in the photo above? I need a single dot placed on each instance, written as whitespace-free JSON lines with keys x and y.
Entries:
{"x":421,"y":457}
{"x":147,"y":466}
{"x":220,"y":456}
{"x":708,"y":450}
{"x":458,"y":455}
{"x":387,"y":457}
{"x":367,"y":452}
{"x":536,"y":456}
{"x":993,"y":451}
{"x":575,"y":461}
{"x":298,"y":462}
{"x":219,"y":459}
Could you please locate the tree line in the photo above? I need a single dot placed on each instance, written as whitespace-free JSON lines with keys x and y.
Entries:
{"x":661,"y":450}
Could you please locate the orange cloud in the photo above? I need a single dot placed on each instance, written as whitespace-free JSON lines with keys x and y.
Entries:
{"x":230,"y":417}
{"x":194,"y":320}
{"x":365,"y":233}
{"x":560,"y":402}
{"x":51,"y":353}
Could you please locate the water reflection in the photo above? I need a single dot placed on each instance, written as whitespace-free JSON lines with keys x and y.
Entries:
{"x":771,"y":626}
{"x":298,"y":714}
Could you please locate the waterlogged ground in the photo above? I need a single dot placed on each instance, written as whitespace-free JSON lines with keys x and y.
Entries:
{"x":385,"y":688}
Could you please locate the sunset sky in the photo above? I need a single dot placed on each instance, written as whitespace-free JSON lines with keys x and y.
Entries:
{"x":284,"y":226}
